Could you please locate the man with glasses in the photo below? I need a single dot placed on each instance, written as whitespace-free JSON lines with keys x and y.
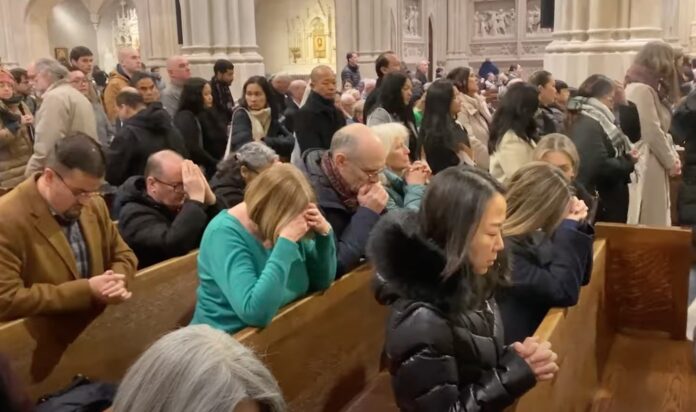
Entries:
{"x":105,"y":131}
{"x":163,"y":214}
{"x":346,"y":179}
{"x":59,"y":250}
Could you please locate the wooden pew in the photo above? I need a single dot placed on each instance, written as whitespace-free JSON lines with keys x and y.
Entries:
{"x":46,"y":352}
{"x":326,"y":348}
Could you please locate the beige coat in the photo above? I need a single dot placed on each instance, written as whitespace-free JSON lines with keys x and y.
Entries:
{"x":15,"y":151}
{"x":64,"y":110}
{"x":38,"y":272}
{"x":649,"y":202}
{"x":511,"y":154}
{"x":475,"y":118}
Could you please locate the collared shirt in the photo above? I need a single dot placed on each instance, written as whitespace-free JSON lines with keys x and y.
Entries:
{"x":73,"y":233}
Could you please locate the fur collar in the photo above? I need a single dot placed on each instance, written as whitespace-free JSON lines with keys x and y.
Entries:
{"x":408,"y":265}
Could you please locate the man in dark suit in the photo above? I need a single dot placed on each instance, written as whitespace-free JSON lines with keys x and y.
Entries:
{"x":292,"y":102}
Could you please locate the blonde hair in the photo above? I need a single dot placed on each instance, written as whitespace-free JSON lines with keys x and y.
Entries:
{"x":661,"y":58}
{"x":275,"y":197}
{"x":556,"y":142}
{"x":390,"y":134}
{"x":537,"y":198}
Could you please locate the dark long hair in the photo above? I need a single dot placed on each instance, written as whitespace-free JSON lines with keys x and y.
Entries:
{"x":391,"y":98}
{"x":266,"y":87}
{"x":192,"y":95}
{"x":516,"y":113}
{"x":460,"y":77}
{"x":459,"y":196}
{"x":438,"y":127}
{"x":597,"y":85}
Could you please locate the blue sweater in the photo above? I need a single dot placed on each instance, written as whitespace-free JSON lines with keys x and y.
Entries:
{"x":244,"y":284}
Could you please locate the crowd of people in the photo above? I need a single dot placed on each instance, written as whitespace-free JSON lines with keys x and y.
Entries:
{"x":477,"y":217}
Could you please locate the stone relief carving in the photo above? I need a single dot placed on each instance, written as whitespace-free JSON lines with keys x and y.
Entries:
{"x":534,"y":48}
{"x":413,"y":51}
{"x":493,"y":49}
{"x":495,"y":23}
{"x":125,"y":28}
{"x":411,"y":19}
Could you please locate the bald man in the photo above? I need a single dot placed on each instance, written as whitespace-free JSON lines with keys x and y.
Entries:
{"x":318,"y":120}
{"x":349,"y":192}
{"x":179,"y":71}
{"x":163,"y":213}
{"x":128,"y":63}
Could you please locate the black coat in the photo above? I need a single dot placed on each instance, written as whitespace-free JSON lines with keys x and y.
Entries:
{"x":228,"y":187}
{"x":546,"y":123}
{"x":439,"y":151}
{"x":600,"y":169}
{"x":278,"y":137}
{"x":350,"y":74}
{"x":205,"y":136}
{"x":352,"y":229}
{"x":291,"y":109}
{"x":316,"y":122}
{"x":442,"y":355}
{"x":546,"y":272}
{"x":223,"y":102}
{"x":154,"y":232}
{"x":684,"y":133}
{"x":148,"y":132}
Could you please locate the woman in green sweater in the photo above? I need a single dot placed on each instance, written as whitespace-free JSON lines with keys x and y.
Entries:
{"x":258,"y":256}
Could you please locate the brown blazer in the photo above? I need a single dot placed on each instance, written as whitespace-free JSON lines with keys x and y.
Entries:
{"x":38,"y":272}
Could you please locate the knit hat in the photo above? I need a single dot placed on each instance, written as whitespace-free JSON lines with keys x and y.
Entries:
{"x":6,"y":77}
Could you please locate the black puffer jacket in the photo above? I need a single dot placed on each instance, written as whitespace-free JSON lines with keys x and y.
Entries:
{"x":683,"y":127}
{"x":442,"y":355}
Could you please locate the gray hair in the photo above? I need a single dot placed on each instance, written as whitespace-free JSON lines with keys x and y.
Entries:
{"x":197,"y":369}
{"x":255,"y":155}
{"x":56,"y":70}
{"x":343,"y":141}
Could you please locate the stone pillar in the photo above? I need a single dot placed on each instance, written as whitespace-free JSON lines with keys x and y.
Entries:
{"x":457,"y":37}
{"x":157,"y":29}
{"x":8,"y":51}
{"x":221,"y":29}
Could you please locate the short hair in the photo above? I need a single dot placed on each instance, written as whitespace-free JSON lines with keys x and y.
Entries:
{"x":138,"y":76}
{"x":390,"y":134}
{"x":130,"y":99}
{"x":349,"y":55}
{"x":540,"y":78}
{"x":342,"y":141}
{"x":222,"y":66}
{"x":277,"y":196}
{"x":197,"y":368}
{"x":537,"y":199}
{"x":381,"y":62}
{"x":80,"y":51}
{"x":561,"y":85}
{"x":78,"y":151}
{"x":557,"y":142}
{"x":18,"y":73}
{"x":53,"y":67}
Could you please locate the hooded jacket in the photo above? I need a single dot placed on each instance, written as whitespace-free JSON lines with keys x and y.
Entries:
{"x":443,"y":355}
{"x":352,"y":229}
{"x":155,"y":232}
{"x":148,"y":132}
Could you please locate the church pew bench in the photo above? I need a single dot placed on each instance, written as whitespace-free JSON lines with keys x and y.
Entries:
{"x":326,"y":348}
{"x":47,"y":351}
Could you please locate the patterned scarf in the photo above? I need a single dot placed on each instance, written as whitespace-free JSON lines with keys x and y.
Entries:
{"x":260,"y":123}
{"x":596,"y":110}
{"x":347,"y":196}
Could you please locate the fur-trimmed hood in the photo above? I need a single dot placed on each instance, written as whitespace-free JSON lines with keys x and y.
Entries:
{"x":408,"y":265}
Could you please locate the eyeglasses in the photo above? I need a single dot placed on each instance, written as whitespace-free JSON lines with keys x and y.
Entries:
{"x":177,"y":187}
{"x":77,"y":193}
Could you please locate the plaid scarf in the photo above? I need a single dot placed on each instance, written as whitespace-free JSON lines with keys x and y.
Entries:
{"x":347,"y":196}
{"x":596,"y":110}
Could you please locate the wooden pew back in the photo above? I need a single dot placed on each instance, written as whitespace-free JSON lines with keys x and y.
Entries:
{"x":326,"y":348}
{"x":647,"y":278}
{"x":46,"y":352}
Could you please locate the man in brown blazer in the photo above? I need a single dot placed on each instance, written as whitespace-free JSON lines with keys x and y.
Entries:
{"x":59,"y":250}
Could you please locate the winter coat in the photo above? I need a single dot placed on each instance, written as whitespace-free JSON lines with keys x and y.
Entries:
{"x":64,"y":110}
{"x":291,"y":109}
{"x":16,"y":146}
{"x":350,"y":74}
{"x":278,"y":137}
{"x":683,"y":127}
{"x":228,"y":188}
{"x":600,"y":169}
{"x":475,"y":117}
{"x":401,"y":194}
{"x":511,"y":154}
{"x":351,"y":229}
{"x":649,"y":200}
{"x":205,"y":137}
{"x":442,"y":354}
{"x":170,"y":98}
{"x":223,"y":102}
{"x":153,"y":231}
{"x":105,"y":130}
{"x":546,"y":121}
{"x":144,"y":134}
{"x":546,"y":272}
{"x":117,"y":81}
{"x":316,"y":122}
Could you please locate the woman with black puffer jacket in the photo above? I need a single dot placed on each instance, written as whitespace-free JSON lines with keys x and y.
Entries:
{"x":438,"y":269}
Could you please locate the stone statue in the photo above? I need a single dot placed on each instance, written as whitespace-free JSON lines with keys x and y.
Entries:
{"x":480,"y":24}
{"x":499,"y":25}
{"x":411,"y":21}
{"x":533,"y":20}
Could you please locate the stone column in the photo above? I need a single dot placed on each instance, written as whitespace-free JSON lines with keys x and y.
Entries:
{"x":646,"y":20}
{"x":221,"y":29}
{"x":8,"y":51}
{"x":457,"y":37}
{"x":157,"y":29}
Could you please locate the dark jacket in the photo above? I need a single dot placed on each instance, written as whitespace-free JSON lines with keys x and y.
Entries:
{"x":600,"y":169}
{"x":351,"y":229}
{"x":228,"y":188}
{"x":278,"y":137}
{"x":279,"y":99}
{"x":372,"y":99}
{"x":350,"y":74}
{"x":546,"y":272}
{"x":439,"y":151}
{"x":316,"y":122}
{"x":291,"y":109}
{"x":629,"y":120}
{"x":442,"y":355}
{"x":223,"y":102}
{"x":546,"y":123}
{"x":148,"y":132}
{"x":421,"y":77}
{"x":154,"y":232}
{"x":683,"y":127}
{"x":205,"y":137}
